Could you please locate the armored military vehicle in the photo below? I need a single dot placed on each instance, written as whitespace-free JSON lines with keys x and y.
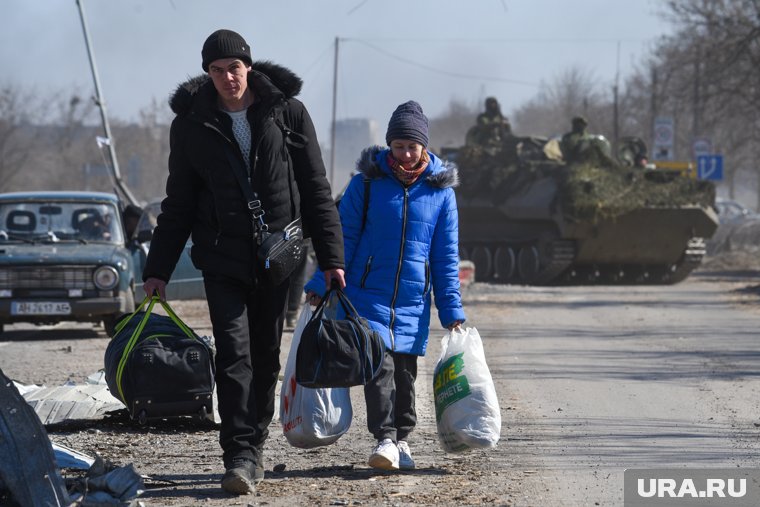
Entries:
{"x":528,"y":217}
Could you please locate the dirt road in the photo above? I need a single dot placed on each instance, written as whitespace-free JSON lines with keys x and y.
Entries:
{"x":590,"y":380}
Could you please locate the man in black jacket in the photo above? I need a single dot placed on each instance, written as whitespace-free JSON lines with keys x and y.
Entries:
{"x":242,"y":116}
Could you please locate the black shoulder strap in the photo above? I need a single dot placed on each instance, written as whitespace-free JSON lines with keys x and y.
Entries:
{"x":292,"y":138}
{"x":366,"y":202}
{"x":253,"y":202}
{"x":241,"y":177}
{"x":296,"y":140}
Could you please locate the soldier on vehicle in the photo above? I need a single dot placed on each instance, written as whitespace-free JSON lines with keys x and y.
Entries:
{"x":493,"y":116}
{"x":572,"y":142}
{"x":491,"y":127}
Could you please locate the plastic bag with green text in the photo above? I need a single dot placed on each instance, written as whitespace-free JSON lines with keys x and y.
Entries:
{"x":466,"y":408}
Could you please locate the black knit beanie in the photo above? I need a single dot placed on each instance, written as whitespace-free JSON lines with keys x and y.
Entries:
{"x":408,"y":122}
{"x":225,"y":44}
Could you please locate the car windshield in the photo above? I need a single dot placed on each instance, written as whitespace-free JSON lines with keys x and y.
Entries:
{"x":54,"y":221}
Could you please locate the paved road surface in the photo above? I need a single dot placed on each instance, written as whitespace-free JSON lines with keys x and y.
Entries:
{"x":591,"y":381}
{"x":597,"y":380}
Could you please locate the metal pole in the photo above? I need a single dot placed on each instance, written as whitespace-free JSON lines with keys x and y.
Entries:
{"x":103,"y":116}
{"x":697,"y":114}
{"x":334,"y":107}
{"x":616,"y":106}
{"x":653,"y":107}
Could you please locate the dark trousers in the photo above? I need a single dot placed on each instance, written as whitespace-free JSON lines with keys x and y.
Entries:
{"x":247,"y":321}
{"x":390,"y":398}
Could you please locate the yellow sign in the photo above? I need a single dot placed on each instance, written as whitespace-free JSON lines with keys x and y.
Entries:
{"x":686,"y":168}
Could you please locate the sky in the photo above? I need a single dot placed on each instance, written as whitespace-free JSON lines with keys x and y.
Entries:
{"x":389,"y":51}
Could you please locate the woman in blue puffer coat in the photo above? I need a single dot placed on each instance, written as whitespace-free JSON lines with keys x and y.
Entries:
{"x":406,"y":246}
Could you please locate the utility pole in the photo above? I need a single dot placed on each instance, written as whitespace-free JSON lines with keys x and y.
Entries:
{"x":697,"y":104}
{"x":103,"y":116}
{"x":334,"y":107}
{"x":615,"y":107}
{"x":653,"y":105}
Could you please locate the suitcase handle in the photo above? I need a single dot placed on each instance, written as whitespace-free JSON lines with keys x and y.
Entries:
{"x":151,"y":302}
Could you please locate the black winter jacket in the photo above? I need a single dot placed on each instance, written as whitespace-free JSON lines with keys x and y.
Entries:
{"x":203,"y":196}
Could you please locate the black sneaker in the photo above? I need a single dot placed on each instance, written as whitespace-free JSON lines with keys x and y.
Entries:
{"x":239,"y":479}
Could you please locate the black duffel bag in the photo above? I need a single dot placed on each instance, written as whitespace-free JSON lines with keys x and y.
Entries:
{"x":338,"y":353}
{"x":159,"y":367}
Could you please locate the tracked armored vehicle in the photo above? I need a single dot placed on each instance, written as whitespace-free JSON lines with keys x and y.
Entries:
{"x":528,"y":217}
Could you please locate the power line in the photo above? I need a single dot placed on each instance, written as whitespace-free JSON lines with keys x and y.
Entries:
{"x":578,"y":40}
{"x":318,"y":59}
{"x":357,"y":7}
{"x":419,"y":65}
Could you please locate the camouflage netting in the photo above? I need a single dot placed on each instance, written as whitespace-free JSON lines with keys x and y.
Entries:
{"x":596,"y":189}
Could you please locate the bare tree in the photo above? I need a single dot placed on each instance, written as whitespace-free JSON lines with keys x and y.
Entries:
{"x":144,"y":151}
{"x":17,"y":133}
{"x":707,"y":76}
{"x":573,"y":92}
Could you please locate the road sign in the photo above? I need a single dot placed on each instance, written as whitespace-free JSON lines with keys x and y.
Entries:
{"x":710,"y":167}
{"x":701,"y":146}
{"x":664,"y":134}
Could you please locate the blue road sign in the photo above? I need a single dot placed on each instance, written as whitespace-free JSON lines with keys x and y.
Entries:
{"x":710,"y":167}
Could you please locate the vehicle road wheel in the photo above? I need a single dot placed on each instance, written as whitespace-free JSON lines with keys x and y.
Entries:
{"x":203,"y":414}
{"x":483,"y":260}
{"x":504,"y":263}
{"x":109,"y":322}
{"x":616,"y":274}
{"x":528,"y":263}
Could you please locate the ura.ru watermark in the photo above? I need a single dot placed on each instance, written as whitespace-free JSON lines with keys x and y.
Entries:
{"x":684,"y":487}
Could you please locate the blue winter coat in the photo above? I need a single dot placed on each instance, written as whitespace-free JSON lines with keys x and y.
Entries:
{"x":388,"y":280}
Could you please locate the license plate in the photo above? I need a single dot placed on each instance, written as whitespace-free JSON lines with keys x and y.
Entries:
{"x":39,"y":308}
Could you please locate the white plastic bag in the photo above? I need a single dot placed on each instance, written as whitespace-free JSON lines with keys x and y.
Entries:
{"x":466,"y":408}
{"x":311,"y":417}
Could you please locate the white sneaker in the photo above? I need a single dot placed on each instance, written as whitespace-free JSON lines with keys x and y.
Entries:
{"x":385,"y":455}
{"x":405,"y":461}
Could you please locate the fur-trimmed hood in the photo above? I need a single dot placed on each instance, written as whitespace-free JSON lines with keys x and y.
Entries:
{"x":439,"y":173}
{"x":266,"y":78}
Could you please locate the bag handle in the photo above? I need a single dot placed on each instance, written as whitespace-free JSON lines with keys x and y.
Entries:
{"x":151,"y":302}
{"x":335,"y":290}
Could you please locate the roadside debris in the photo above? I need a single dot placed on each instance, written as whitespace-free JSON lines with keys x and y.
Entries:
{"x":30,"y":469}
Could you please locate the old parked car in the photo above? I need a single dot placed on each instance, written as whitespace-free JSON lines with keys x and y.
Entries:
{"x":64,"y":257}
{"x":733,"y":212}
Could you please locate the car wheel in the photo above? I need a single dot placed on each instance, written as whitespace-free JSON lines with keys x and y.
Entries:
{"x":110,"y":321}
{"x":130,"y":306}
{"x":109,"y":324}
